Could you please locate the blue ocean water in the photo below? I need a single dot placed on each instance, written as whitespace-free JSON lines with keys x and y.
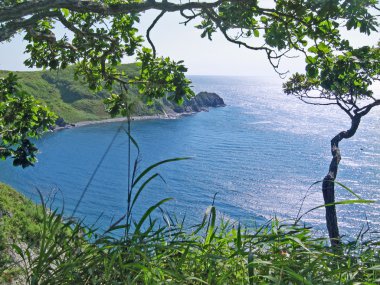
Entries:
{"x":260,"y":154}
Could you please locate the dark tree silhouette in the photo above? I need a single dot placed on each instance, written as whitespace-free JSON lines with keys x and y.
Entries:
{"x":343,"y":80}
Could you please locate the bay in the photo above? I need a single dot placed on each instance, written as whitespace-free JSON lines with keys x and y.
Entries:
{"x":260,"y":154}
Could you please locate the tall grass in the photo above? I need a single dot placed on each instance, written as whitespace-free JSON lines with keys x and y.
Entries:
{"x":145,"y":250}
{"x":209,"y":253}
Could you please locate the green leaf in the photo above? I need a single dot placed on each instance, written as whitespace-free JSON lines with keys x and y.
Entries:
{"x":313,"y":49}
{"x":65,"y":12}
{"x":264,"y":19}
{"x":345,"y":202}
{"x":299,"y":277}
{"x":142,"y":174}
{"x":311,"y":71}
{"x":311,"y":60}
{"x":322,"y":47}
{"x":149,"y":212}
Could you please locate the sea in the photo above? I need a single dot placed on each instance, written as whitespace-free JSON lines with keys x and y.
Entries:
{"x":260,"y":157}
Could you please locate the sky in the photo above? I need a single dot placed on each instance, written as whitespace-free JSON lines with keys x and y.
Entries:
{"x":201,"y":56}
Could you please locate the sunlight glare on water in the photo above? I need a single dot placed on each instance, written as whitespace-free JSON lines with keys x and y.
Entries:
{"x":261,"y":154}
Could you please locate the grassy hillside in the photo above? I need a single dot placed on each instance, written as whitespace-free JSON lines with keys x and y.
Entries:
{"x":19,"y":217}
{"x":21,"y":223}
{"x":71,"y":99}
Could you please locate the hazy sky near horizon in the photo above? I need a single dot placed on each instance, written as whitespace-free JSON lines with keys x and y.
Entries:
{"x":201,"y":56}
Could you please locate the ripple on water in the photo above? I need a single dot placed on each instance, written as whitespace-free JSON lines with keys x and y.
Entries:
{"x":260,"y":154}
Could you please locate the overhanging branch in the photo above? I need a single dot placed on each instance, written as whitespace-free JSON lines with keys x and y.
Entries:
{"x":89,"y":6}
{"x":11,"y":28}
{"x":150,"y":29}
{"x":273,"y":57}
{"x":365,"y":110}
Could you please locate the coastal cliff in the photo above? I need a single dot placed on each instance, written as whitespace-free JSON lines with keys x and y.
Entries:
{"x":73,"y":102}
{"x":164,"y":110}
{"x":201,"y":102}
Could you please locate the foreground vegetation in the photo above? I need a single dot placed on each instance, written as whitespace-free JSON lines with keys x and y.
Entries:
{"x":21,"y":222}
{"x":48,"y":249}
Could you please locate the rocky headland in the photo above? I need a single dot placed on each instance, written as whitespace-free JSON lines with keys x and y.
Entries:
{"x":201,"y":102}
{"x":167,"y":110}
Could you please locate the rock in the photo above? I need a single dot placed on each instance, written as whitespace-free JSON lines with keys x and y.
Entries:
{"x":201,"y":102}
{"x":60,"y":122}
{"x":4,"y":213}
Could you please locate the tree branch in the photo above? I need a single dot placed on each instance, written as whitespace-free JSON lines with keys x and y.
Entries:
{"x":365,"y":110}
{"x":78,"y":31}
{"x":271,"y":54}
{"x":187,"y":17}
{"x":12,"y":27}
{"x":90,"y":6}
{"x":150,"y":29}
{"x":343,"y":108}
{"x":314,"y":103}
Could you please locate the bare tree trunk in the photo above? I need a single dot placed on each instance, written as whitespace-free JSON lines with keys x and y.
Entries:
{"x":328,"y":185}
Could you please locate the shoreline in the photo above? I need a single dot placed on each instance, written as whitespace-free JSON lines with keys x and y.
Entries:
{"x":124,"y":119}
{"x":201,"y":102}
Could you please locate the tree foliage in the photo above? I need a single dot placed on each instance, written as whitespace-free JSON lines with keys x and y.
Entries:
{"x":21,"y":117}
{"x":100,"y":33}
{"x":344,"y":79}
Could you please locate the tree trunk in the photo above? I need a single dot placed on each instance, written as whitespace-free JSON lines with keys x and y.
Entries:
{"x":328,"y":185}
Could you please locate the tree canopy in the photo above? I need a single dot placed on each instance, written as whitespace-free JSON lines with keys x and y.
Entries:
{"x":344,"y":80}
{"x":100,"y":33}
{"x":21,"y":117}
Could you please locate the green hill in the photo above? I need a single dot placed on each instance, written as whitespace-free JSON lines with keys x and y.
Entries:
{"x":71,"y":99}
